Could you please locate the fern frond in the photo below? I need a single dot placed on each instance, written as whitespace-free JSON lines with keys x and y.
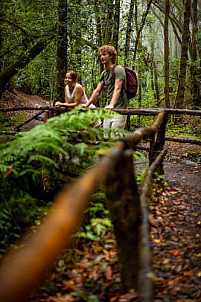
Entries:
{"x":42,"y":158}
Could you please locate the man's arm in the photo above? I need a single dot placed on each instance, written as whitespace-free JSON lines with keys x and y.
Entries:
{"x":95,"y":94}
{"x":116,"y":94}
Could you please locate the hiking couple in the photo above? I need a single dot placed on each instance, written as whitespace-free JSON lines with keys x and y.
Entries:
{"x":113,"y":80}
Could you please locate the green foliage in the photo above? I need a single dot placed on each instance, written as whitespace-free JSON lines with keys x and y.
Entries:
{"x":191,"y":128}
{"x":141,"y":163}
{"x":97,"y":228}
{"x":99,"y":222}
{"x":16,"y":215}
{"x":58,"y":147}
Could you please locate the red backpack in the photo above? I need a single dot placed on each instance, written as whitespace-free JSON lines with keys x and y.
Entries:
{"x":131,"y":81}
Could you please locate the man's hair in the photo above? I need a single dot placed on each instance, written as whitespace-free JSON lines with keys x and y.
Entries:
{"x":73,"y":75}
{"x":110,"y":50}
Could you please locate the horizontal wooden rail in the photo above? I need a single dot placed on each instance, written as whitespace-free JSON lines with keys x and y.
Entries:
{"x":155,"y":111}
{"x":26,"y":266}
{"x":129,"y":111}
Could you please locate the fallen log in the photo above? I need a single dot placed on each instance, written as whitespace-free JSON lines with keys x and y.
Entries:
{"x":183,"y":140}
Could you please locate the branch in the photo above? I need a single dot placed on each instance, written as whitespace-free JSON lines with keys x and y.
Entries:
{"x":16,"y":25}
{"x":141,"y":27}
{"x":86,"y":42}
{"x":29,"y":120}
{"x":172,"y":18}
{"x":184,"y":140}
{"x":23,"y":60}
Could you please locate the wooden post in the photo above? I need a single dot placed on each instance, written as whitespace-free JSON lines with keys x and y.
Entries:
{"x":124,"y":205}
{"x":157,"y":143}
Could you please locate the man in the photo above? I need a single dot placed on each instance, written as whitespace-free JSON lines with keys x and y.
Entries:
{"x":115,"y":89}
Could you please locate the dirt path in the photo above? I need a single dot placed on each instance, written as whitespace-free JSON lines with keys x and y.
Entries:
{"x":176,"y":241}
{"x":22,"y":99}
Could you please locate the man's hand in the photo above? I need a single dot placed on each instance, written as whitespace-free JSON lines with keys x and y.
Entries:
{"x":85,"y":105}
{"x":109,"y":107}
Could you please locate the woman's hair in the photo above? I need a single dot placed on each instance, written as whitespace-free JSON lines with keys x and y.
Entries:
{"x":110,"y":50}
{"x":73,"y":75}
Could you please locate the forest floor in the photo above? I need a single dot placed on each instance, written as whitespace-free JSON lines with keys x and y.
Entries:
{"x":90,"y":271}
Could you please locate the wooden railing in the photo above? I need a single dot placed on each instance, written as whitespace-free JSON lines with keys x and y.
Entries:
{"x":129,"y":213}
{"x":130,"y":111}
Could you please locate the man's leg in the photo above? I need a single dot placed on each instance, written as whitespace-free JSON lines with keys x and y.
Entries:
{"x":117,"y":122}
{"x":107,"y":124}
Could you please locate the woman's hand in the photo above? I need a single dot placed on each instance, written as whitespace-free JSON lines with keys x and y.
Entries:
{"x":58,"y":105}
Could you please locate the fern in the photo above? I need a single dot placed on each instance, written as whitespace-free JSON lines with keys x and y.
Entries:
{"x":47,"y":152}
{"x":60,"y":139}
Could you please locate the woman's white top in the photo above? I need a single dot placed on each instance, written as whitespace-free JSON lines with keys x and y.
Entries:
{"x":71,"y":97}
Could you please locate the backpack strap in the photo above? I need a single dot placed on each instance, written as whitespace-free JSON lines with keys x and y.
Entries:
{"x":102,"y":76}
{"x":113,"y":70}
{"x":113,"y":76}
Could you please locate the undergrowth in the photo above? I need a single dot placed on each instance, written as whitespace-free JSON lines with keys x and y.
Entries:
{"x":34,"y":161}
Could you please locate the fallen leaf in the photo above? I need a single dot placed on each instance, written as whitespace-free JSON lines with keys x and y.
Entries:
{"x":108,"y":273}
{"x":174,"y":252}
{"x":8,"y":171}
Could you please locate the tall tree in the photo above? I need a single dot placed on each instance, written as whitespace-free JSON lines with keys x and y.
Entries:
{"x":179,"y":102}
{"x":166,"y":53}
{"x":194,"y":64}
{"x":108,"y":20}
{"x":139,"y":65}
{"x":115,"y":38}
{"x":98,"y":21}
{"x":61,"y":53}
{"x":154,"y":75}
{"x":128,"y":32}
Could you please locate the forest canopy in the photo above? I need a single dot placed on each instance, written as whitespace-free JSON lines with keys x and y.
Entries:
{"x":161,"y":40}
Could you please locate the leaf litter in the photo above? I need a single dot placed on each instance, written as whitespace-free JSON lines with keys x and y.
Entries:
{"x":92,"y":272}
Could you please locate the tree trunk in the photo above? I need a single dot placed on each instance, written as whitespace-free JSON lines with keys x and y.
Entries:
{"x":154,"y":80}
{"x":109,"y":23}
{"x":166,"y":54}
{"x":116,"y":24}
{"x":128,"y":32}
{"x":124,"y":205}
{"x":179,"y":103}
{"x":194,"y":65}
{"x":61,"y":56}
{"x":98,"y":22}
{"x":156,"y":145}
{"x":1,"y":37}
{"x":139,"y":69}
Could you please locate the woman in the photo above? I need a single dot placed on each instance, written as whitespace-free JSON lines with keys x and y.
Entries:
{"x":74,"y":92}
